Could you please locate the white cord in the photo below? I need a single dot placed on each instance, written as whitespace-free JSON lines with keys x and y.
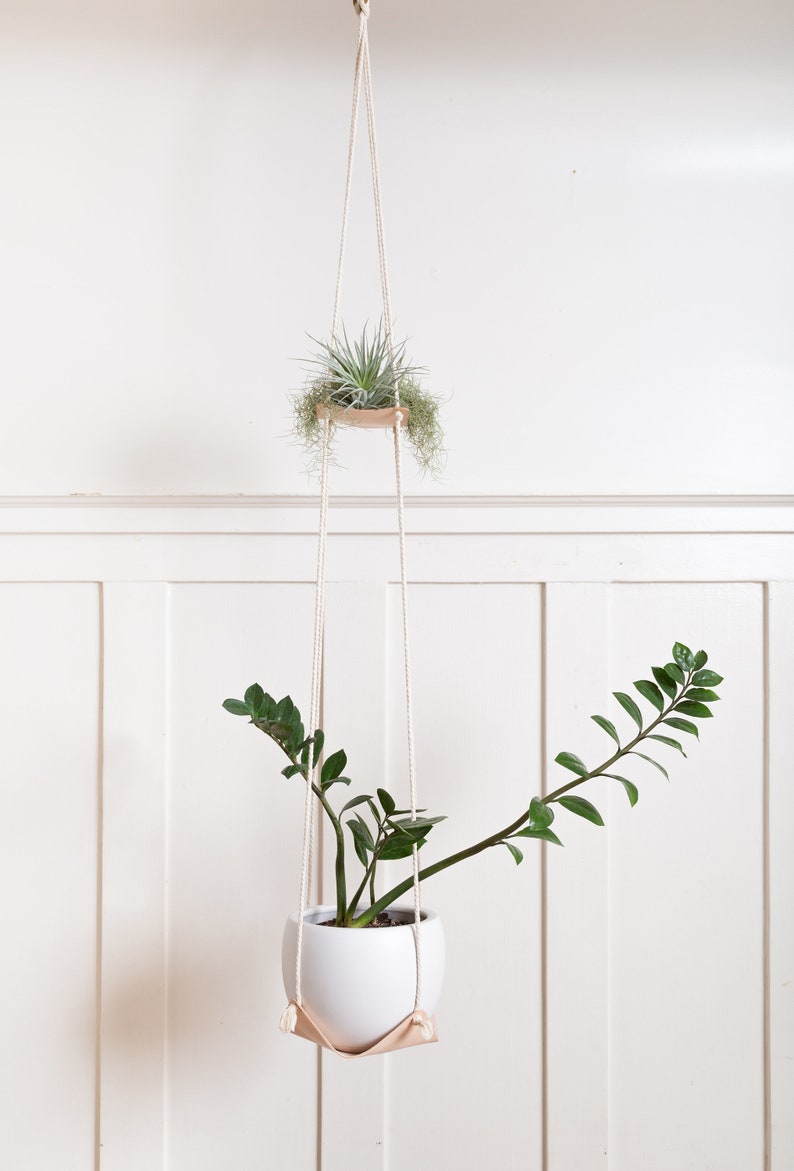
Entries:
{"x":289,"y":1016}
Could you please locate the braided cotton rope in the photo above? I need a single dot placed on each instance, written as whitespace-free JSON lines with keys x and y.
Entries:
{"x":289,"y":1016}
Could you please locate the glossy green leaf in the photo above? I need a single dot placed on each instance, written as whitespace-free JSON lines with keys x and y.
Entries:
{"x":387,"y":802}
{"x":608,"y":727}
{"x":702,"y":695}
{"x":514,"y":850}
{"x":629,"y":786}
{"x":543,"y":835}
{"x":698,"y":711}
{"x":701,"y":658}
{"x":628,"y":704}
{"x":582,"y":808}
{"x":668,"y":740}
{"x":675,"y":672}
{"x":706,"y":679}
{"x":655,"y":763}
{"x":291,"y":770}
{"x":360,"y":829}
{"x":682,"y":726}
{"x":572,"y":762}
{"x":397,"y":846}
{"x":541,"y":815}
{"x":285,"y":711}
{"x":319,"y":740}
{"x":684,"y":657}
{"x":665,"y":681}
{"x":409,"y":824}
{"x":255,"y":698}
{"x":333,"y":766}
{"x":236,"y":707}
{"x":353,"y":802}
{"x":650,"y":692}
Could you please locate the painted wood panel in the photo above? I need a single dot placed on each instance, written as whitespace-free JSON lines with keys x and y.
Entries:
{"x":624,"y":1024}
{"x":477,"y":655}
{"x":240,"y":1093}
{"x":686,"y":900}
{"x":134,"y":957}
{"x":49,"y":834}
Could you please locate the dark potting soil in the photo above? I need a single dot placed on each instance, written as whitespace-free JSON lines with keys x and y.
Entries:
{"x":383,"y":919}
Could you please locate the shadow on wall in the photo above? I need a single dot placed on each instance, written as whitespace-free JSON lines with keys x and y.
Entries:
{"x":213,"y":992}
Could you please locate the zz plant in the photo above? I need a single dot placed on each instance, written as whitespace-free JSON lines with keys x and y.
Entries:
{"x":682,"y":692}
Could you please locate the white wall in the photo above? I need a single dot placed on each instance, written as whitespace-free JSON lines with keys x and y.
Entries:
{"x":588,"y":217}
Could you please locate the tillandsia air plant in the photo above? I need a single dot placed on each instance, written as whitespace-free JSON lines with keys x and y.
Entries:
{"x":682,"y":692}
{"x":367,"y":374}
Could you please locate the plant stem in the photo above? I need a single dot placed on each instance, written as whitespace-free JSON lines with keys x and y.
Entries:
{"x":621,"y":751}
{"x":496,"y":839}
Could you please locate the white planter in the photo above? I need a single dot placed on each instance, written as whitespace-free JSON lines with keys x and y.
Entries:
{"x":358,"y":983}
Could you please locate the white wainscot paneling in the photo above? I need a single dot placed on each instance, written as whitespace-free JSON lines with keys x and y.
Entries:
{"x":686,"y":899}
{"x":240,"y":1093}
{"x":624,"y":1004}
{"x":475,"y":1098}
{"x":49,"y":834}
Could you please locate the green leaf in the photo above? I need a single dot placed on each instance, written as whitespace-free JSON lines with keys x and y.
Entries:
{"x":582,"y":808}
{"x":684,"y":657}
{"x":629,"y":786}
{"x":697,"y":710}
{"x":255,"y":698}
{"x":361,"y":849}
{"x":706,"y":679}
{"x":319,"y":740}
{"x":543,"y":835}
{"x":397,"y":846}
{"x":236,"y":707}
{"x":675,"y":672}
{"x":333,"y":767}
{"x":291,"y":770}
{"x":285,"y":711}
{"x":353,"y":802}
{"x":569,"y":760}
{"x":630,"y":706}
{"x":541,"y":815}
{"x":665,"y":681}
{"x":360,"y":829}
{"x":655,"y":763}
{"x":703,"y":694}
{"x":608,"y":727}
{"x":701,"y":658}
{"x":668,"y":740}
{"x":650,"y":692}
{"x":410,"y":824}
{"x":683,"y":726}
{"x":514,"y":850}
{"x":387,"y":801}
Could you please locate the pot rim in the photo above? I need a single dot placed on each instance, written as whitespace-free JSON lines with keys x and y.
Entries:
{"x":329,"y":909}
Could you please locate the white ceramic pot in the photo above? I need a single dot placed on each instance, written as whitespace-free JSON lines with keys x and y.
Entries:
{"x":358,"y":983}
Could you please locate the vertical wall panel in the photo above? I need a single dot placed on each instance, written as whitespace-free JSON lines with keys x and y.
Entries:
{"x":240,"y":1093}
{"x":49,"y":700}
{"x":474,"y":1099}
{"x":354,"y":718}
{"x":133,"y":877}
{"x":576,"y":658}
{"x":686,"y":900}
{"x":781,"y":874}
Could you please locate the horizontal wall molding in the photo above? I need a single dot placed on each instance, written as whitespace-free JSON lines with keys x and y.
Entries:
{"x":376,"y":514}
